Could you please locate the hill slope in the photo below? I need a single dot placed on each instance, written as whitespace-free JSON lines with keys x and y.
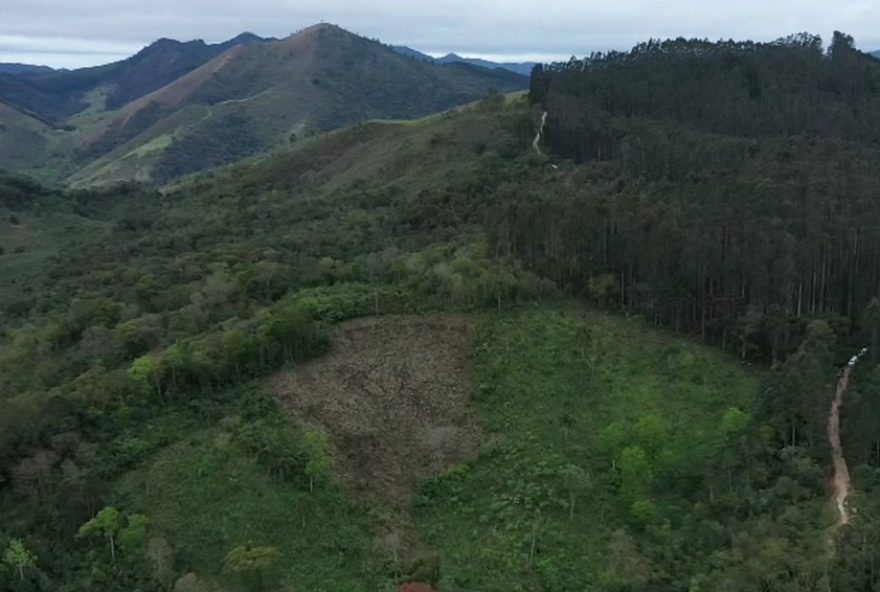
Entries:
{"x":54,"y":95}
{"x":253,"y":98}
{"x":596,"y":451}
{"x":177,"y":108}
{"x":16,"y":68}
{"x":23,"y":139}
{"x":590,"y":445}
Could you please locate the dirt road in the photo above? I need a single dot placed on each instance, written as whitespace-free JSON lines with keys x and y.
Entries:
{"x":841,"y":483}
{"x":537,"y":143}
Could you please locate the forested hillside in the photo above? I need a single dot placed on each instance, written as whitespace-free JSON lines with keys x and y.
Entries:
{"x":67,"y":92}
{"x":743,"y":178}
{"x":582,"y":371}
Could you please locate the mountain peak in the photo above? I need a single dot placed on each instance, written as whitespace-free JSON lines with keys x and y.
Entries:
{"x":309,"y":36}
{"x":246,"y":38}
{"x":324,"y":27}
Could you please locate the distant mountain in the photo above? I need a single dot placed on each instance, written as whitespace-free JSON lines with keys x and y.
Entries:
{"x":55,"y":95}
{"x":23,"y":68}
{"x":255,"y":97}
{"x":876,"y":54}
{"x":413,"y":53}
{"x":522,"y":68}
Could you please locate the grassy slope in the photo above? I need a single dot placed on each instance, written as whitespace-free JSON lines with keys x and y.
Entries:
{"x":31,"y":237}
{"x":548,"y":382}
{"x":207,"y":496}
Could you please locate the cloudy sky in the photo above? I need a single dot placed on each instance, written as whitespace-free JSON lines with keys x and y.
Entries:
{"x":73,"y":33}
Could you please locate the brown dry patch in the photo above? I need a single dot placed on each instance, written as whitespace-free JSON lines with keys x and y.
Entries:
{"x":394,"y":397}
{"x":181,"y":89}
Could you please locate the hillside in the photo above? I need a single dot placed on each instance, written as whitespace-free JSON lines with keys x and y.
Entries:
{"x":7,"y":68}
{"x":57,"y":102}
{"x":731,"y":143}
{"x":23,"y":139}
{"x":178,"y":108}
{"x":199,"y":363}
{"x":251,"y":99}
{"x":54,"y":95}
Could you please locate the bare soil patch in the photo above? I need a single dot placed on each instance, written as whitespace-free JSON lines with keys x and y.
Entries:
{"x":394,"y":396}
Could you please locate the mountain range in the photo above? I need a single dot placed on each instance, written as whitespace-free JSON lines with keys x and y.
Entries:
{"x":6,"y":68}
{"x":523,"y":68}
{"x":180,"y":107}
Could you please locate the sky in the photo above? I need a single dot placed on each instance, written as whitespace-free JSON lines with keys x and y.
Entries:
{"x":77,"y":33}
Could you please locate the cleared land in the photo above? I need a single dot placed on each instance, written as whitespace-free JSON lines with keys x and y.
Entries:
{"x":394,"y":397}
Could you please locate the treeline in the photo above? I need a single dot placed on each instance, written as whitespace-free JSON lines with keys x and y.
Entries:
{"x":788,"y":87}
{"x":731,"y":192}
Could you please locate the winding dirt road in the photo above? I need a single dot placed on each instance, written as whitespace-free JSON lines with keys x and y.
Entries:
{"x":537,"y":143}
{"x":841,"y":483}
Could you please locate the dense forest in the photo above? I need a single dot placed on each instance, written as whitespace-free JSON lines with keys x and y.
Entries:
{"x":740,"y":185}
{"x":140,"y":448}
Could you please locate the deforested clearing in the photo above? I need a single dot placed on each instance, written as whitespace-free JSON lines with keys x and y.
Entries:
{"x":394,"y":396}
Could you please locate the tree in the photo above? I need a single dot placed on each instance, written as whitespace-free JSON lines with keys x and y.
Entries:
{"x":643,"y":511}
{"x":652,"y":432}
{"x":733,"y":440}
{"x":320,"y":461}
{"x":539,"y":83}
{"x":636,"y":473}
{"x":871,"y":322}
{"x":577,"y":482}
{"x":105,"y":523}
{"x":144,"y":372}
{"x":734,"y":422}
{"x":19,"y":557}
{"x":134,"y":535}
{"x":803,"y":391}
{"x":611,"y":439}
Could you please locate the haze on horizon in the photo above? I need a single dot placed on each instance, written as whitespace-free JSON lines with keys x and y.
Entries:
{"x":77,"y":33}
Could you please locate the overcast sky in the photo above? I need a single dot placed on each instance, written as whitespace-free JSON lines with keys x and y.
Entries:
{"x":73,"y":33}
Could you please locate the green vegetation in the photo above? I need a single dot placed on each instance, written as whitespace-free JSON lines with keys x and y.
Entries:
{"x":729,"y":190}
{"x":18,"y":557}
{"x":602,"y":430}
{"x":139,"y":449}
{"x":123,"y":351}
{"x":222,"y":493}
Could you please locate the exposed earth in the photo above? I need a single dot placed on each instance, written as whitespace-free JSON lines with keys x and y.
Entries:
{"x":393,"y":396}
